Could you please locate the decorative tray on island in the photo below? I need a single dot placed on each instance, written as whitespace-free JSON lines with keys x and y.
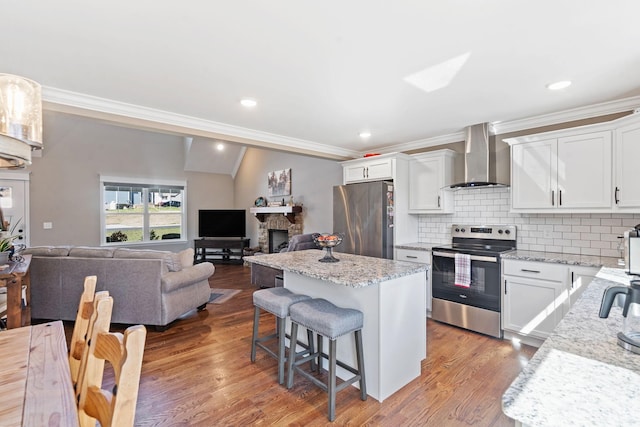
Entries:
{"x":328,"y":242}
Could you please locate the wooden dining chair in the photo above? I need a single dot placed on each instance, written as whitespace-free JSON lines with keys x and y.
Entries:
{"x":85,"y":318}
{"x":124,"y":352}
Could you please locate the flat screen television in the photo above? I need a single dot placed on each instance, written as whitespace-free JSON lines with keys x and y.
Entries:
{"x":222,"y":223}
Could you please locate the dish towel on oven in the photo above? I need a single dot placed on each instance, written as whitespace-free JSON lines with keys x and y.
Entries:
{"x":463,"y":270}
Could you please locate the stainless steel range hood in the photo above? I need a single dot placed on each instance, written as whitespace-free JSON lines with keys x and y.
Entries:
{"x":476,"y":159}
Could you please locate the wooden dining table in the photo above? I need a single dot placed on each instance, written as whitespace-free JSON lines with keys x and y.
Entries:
{"x":35,"y":381}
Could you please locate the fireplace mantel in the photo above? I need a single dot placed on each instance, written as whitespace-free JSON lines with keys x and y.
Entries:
{"x":288,"y":211}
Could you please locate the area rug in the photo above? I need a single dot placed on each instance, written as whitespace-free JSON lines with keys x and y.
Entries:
{"x":219,"y":296}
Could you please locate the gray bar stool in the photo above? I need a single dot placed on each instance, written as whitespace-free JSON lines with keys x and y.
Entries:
{"x":275,"y":301}
{"x":330,"y":321}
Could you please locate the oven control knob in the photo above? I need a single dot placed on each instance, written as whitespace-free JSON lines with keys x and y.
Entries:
{"x":507,"y":231}
{"x":463,"y":230}
{"x":499,"y":231}
{"x":457,"y":230}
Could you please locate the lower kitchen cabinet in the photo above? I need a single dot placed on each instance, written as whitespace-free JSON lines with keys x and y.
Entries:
{"x":422,"y":257}
{"x":535,"y":298}
{"x":580,"y":277}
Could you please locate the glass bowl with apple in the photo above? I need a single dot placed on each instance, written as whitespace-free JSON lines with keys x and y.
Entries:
{"x":328,"y":241}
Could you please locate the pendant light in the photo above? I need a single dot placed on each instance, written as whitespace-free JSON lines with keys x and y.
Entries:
{"x":20,"y":120}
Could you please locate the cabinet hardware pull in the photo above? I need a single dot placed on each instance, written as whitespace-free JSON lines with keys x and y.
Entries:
{"x":572,"y":280}
{"x":553,"y":196}
{"x":505,"y":286}
{"x":616,"y":195}
{"x":529,"y":271}
{"x":438,"y":201}
{"x":462,"y":296}
{"x":364,"y":172}
{"x":560,"y":197}
{"x":412,"y":256}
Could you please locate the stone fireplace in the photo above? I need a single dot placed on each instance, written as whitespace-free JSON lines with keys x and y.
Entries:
{"x":273,"y":227}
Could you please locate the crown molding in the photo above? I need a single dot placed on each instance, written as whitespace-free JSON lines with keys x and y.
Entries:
{"x":421,"y":143}
{"x":580,"y":113}
{"x":152,"y":119}
{"x":117,"y":112}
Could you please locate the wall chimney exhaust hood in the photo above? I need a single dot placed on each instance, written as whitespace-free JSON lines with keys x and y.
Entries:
{"x":476,"y":159}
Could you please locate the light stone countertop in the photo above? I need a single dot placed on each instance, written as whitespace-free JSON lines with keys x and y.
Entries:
{"x":352,"y":270}
{"x":417,"y":246}
{"x":580,"y":376}
{"x":559,"y":258}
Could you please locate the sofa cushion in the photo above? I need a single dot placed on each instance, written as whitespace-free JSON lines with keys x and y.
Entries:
{"x":170,"y":260}
{"x":87,"y":252}
{"x":186,"y":257}
{"x":47,"y":250}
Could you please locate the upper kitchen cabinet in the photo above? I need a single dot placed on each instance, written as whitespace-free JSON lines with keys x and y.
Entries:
{"x":626,"y":171}
{"x":428,"y":174}
{"x":375,"y":168}
{"x":563,"y":171}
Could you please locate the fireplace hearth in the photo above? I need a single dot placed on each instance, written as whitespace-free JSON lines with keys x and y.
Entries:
{"x":278,"y":240}
{"x":283,"y":228}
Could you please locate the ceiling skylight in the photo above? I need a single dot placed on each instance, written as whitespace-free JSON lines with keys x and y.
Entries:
{"x":438,"y":76}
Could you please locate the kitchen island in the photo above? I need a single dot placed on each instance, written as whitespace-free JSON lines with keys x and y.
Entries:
{"x":580,"y":376}
{"x":392,"y":296}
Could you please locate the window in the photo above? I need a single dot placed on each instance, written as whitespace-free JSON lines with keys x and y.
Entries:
{"x":142,"y":211}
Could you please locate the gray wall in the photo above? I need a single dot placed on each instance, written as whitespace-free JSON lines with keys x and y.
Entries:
{"x":312,"y":182}
{"x":65,"y":186}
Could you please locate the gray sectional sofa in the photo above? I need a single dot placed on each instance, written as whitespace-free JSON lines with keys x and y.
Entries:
{"x":148,"y":287}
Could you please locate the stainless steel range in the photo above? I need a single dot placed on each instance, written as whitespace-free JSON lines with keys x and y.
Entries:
{"x":475,"y":305}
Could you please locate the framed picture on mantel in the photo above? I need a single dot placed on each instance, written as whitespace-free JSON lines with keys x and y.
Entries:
{"x":279,"y":183}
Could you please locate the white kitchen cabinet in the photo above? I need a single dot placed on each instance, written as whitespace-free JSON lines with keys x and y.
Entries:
{"x":422,"y":257}
{"x":535,"y":298}
{"x":579,"y":278}
{"x":627,"y":173}
{"x":429,"y":173}
{"x":534,"y":174}
{"x":561,"y":172}
{"x":372,"y":169}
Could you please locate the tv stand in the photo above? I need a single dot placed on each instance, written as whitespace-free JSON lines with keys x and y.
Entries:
{"x":224,"y":250}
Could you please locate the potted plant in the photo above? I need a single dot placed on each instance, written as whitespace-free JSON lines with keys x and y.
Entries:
{"x":6,"y":239}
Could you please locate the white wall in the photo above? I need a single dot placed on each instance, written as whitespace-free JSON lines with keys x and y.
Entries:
{"x":586,"y":234}
{"x":65,"y":187}
{"x":312,"y":182}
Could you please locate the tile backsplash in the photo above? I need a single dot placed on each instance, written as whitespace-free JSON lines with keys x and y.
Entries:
{"x":586,"y":234}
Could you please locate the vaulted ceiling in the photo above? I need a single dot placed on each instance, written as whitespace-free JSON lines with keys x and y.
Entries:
{"x":408,"y":72}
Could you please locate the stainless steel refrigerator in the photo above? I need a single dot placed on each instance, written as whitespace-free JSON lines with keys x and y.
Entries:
{"x":364,"y":213}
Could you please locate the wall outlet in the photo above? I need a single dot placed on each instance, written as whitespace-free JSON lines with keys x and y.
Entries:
{"x":47,"y":225}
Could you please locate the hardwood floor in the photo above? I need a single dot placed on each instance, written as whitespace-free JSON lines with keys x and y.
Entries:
{"x":198,"y":373}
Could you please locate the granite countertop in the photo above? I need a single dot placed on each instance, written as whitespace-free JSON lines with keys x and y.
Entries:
{"x":352,"y":270}
{"x":418,"y":246}
{"x":570,"y":259}
{"x":580,"y":376}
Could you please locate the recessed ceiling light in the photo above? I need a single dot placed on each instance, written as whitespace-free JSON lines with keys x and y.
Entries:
{"x":249,"y":103}
{"x":559,"y":85}
{"x":220,"y":146}
{"x":365,"y":134}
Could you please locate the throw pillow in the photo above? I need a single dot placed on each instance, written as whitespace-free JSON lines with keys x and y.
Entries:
{"x":186,"y":257}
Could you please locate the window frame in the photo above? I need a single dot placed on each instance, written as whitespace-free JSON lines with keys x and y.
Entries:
{"x":145,"y":183}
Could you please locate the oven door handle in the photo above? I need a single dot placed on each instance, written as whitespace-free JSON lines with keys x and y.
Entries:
{"x":473,"y":257}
